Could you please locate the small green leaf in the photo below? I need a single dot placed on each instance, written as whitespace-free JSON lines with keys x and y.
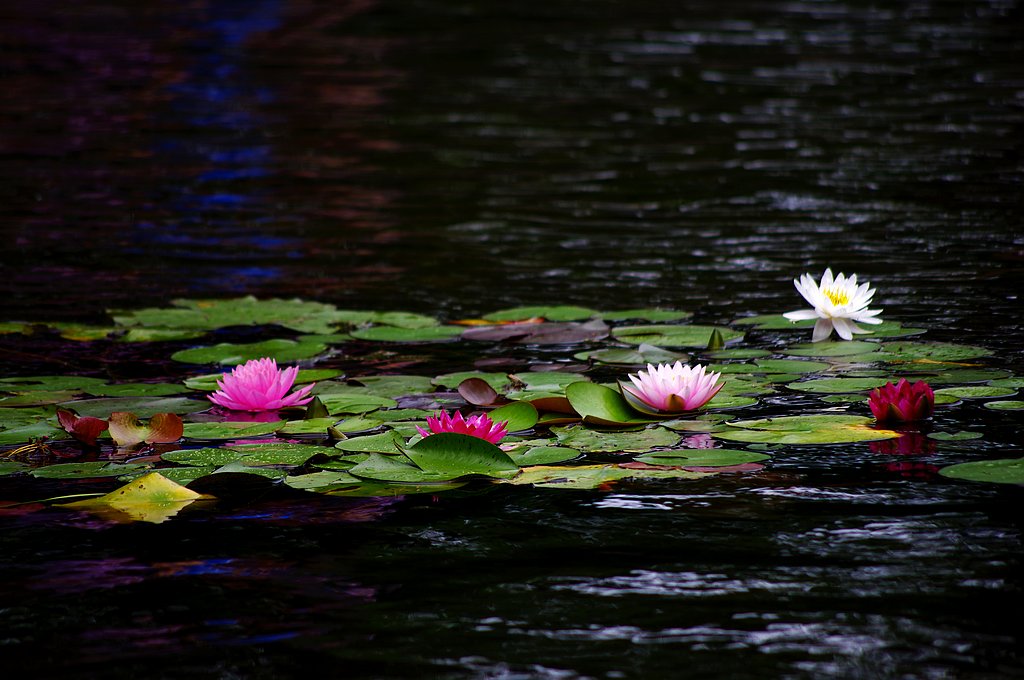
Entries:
{"x":601,"y":405}
{"x":961,"y":436}
{"x":457,"y":455}
{"x":521,"y":415}
{"x":1001,"y":471}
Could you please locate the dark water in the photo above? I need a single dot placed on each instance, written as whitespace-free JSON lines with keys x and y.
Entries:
{"x":453,"y":158}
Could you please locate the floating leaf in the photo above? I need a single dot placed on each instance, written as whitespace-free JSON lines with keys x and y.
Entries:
{"x":477,"y":392}
{"x":320,"y":481}
{"x":385,"y":442}
{"x":231,"y":429}
{"x":397,"y":469}
{"x":737,"y":353}
{"x":300,"y":315}
{"x":655,"y":315}
{"x":541,"y":333}
{"x":641,"y":441}
{"x":150,"y":498}
{"x":644,"y":354}
{"x":143,"y":407}
{"x":601,"y":405}
{"x":127,"y":430}
{"x":931,"y":351}
{"x":37,"y":399}
{"x":499,"y":381}
{"x":148,"y":335}
{"x":789,"y":366}
{"x":1000,"y":471}
{"x":976,"y":392}
{"x":845,"y":348}
{"x":395,"y":385}
{"x":542,"y":455}
{"x":961,"y":436}
{"x":1008,"y":405}
{"x":1015,"y":382}
{"x":202,"y":457}
{"x":810,"y":429}
{"x":25,"y":433}
{"x":521,"y":415}
{"x":84,"y":430}
{"x":593,"y":476}
{"x":354,"y":401}
{"x":84,"y":470}
{"x":725,"y":400}
{"x":458,"y":455}
{"x":10,"y":467}
{"x":370,"y":489}
{"x":49,"y":383}
{"x":136,"y":390}
{"x":310,"y":426}
{"x":838,"y":385}
{"x":231,"y":354}
{"x":775,"y":322}
{"x":701,"y":457}
{"x":673,"y":336}
{"x":554,"y":313}
{"x":396,"y":334}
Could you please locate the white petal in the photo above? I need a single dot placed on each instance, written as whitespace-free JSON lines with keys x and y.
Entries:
{"x":855,"y":328}
{"x":822,"y":330}
{"x":801,"y":315}
{"x":863,"y":318}
{"x":843,"y":329}
{"x":826,"y":279}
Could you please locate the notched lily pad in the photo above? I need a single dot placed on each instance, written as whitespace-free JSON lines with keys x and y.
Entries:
{"x":673,"y":336}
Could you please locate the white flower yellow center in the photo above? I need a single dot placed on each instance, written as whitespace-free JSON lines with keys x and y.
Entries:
{"x":837,"y":296}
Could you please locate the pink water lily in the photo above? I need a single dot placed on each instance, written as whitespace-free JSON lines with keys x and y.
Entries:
{"x":259,"y":385}
{"x":838,"y":302}
{"x":903,"y":402}
{"x":671,"y":388}
{"x":479,"y":426}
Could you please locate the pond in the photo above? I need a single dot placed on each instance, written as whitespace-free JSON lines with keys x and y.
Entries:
{"x":449,"y":160}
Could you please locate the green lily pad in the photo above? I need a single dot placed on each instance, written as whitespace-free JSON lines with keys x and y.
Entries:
{"x":845,"y":348}
{"x":371,"y":489}
{"x":231,"y":354}
{"x":385,"y":442}
{"x":300,"y":315}
{"x":672,"y":336}
{"x":309,"y":426}
{"x":1015,"y":382}
{"x":600,"y":405}
{"x":961,"y":436}
{"x":397,"y":334}
{"x":395,"y":385}
{"x":960,"y":375}
{"x":644,"y":354}
{"x":976,"y":392}
{"x":701,"y":457}
{"x":458,"y":455}
{"x":655,"y":315}
{"x":737,"y":353}
{"x":725,"y":400}
{"x":10,"y":467}
{"x":641,"y":441}
{"x":37,"y":399}
{"x":231,"y":429}
{"x":552,"y":313}
{"x":206,"y":457}
{"x":1000,"y":471}
{"x":16,"y":417}
{"x":397,"y":415}
{"x":354,"y":402}
{"x":397,"y":469}
{"x":320,"y":481}
{"x":1008,"y":405}
{"x":547,"y":381}
{"x":258,"y":455}
{"x":809,"y":429}
{"x":542,"y":455}
{"x":521,"y":415}
{"x":773,"y":322}
{"x":891,"y":329}
{"x":789,"y":366}
{"x":931,"y":351}
{"x":49,"y":383}
{"x":498,"y":381}
{"x":153,"y":335}
{"x":593,"y":476}
{"x":838,"y":385}
{"x":137,"y":390}
{"x":84,"y":470}
{"x":25,"y":433}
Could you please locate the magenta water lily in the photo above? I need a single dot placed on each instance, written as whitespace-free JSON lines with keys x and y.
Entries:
{"x":671,"y":388}
{"x":904,"y":402}
{"x":259,"y":385}
{"x":838,"y":302}
{"x":476,"y":426}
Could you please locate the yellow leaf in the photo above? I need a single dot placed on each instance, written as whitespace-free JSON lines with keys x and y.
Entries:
{"x":150,"y":498}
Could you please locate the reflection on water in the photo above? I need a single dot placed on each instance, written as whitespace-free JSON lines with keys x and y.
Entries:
{"x":454,"y":158}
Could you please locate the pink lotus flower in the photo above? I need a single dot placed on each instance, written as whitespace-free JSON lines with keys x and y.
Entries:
{"x":258,"y":385}
{"x":903,"y":402}
{"x":671,"y":388}
{"x":476,"y":426}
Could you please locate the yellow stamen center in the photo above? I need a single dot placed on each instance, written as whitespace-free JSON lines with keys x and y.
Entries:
{"x":838,"y":297}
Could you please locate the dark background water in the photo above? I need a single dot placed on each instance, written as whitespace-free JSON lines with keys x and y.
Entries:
{"x":453,"y":158}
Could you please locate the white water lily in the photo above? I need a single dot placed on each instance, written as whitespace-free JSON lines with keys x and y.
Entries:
{"x":838,"y":302}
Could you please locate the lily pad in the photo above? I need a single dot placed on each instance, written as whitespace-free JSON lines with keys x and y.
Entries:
{"x":136,"y":390}
{"x":49,"y":383}
{"x":231,"y":354}
{"x":300,"y":315}
{"x":39,"y":398}
{"x":231,"y":429}
{"x":593,"y":476}
{"x":149,"y":498}
{"x":395,"y":385}
{"x":774,"y":322}
{"x":84,"y":470}
{"x":838,"y":385}
{"x":397,"y":469}
{"x":961,"y":436}
{"x":844,"y":348}
{"x":385,"y":442}
{"x":542,"y":455}
{"x":10,"y":467}
{"x":737,"y":353}
{"x":672,"y":336}
{"x":396,"y":334}
{"x":701,"y":457}
{"x":641,"y":441}
{"x":655,"y":315}
{"x":644,"y":354}
{"x":1007,"y":405}
{"x":1000,"y":471}
{"x":206,"y":457}
{"x":809,"y":429}
{"x":499,"y":381}
{"x":354,"y":402}
{"x":320,"y":481}
{"x":931,"y":351}
{"x":551,"y":313}
{"x":789,"y":366}
{"x":976,"y":392}
{"x":600,"y":405}
{"x":458,"y":455}
{"x":308,"y":426}
{"x":521,"y":415}
{"x":371,"y":489}
{"x":25,"y":433}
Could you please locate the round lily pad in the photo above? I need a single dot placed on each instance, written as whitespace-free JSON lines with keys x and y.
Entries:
{"x":49,"y":383}
{"x":641,"y":441}
{"x":385,"y":442}
{"x":655,"y":315}
{"x":594,"y":476}
{"x":961,"y":436}
{"x":810,"y":429}
{"x":844,"y":348}
{"x":1007,"y":405}
{"x":542,"y":455}
{"x":143,"y":407}
{"x":397,"y":334}
{"x":137,"y":390}
{"x":789,"y":366}
{"x":84,"y":470}
{"x":931,"y":351}
{"x":230,"y":429}
{"x":838,"y":385}
{"x":737,"y":353}
{"x":701,"y":457}
{"x":552,"y":313}
{"x":976,"y":392}
{"x":1000,"y":471}
{"x":230,"y":354}
{"x":673,"y":336}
